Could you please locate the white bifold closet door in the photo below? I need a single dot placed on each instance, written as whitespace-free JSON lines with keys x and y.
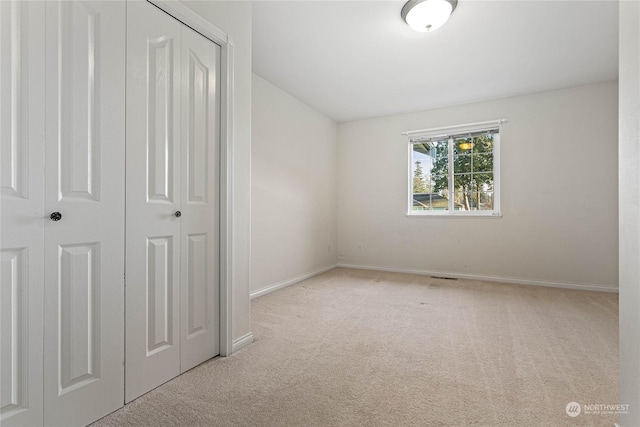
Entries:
{"x":63,"y":94}
{"x":84,"y":181}
{"x":172,"y":293}
{"x":22,"y":211}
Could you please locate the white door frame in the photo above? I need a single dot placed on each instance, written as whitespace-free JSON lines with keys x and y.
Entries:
{"x":187,"y":16}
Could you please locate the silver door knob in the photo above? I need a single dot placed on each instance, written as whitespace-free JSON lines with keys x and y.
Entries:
{"x":178,"y":214}
{"x":56,"y":216}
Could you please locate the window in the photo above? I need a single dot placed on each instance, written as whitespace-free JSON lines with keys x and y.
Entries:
{"x":455,"y":171}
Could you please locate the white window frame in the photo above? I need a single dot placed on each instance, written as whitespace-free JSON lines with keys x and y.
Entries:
{"x":449,"y":133}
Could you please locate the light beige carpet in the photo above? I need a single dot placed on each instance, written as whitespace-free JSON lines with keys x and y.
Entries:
{"x":362,"y":348}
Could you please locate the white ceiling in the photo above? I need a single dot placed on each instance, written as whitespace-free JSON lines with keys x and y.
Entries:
{"x":358,"y":59}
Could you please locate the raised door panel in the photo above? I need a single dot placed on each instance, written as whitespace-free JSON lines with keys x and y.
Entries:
{"x":197,"y":303}
{"x":21,"y":403}
{"x":77,"y":142}
{"x":199,"y":251}
{"x":84,"y":257}
{"x":153,"y":197}
{"x":14,"y":319}
{"x":22,"y":44}
{"x":79,"y":315}
{"x":159,"y":292}
{"x":160,"y":139}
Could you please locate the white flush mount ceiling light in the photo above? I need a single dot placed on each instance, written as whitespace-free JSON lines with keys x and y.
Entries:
{"x":427,"y":15}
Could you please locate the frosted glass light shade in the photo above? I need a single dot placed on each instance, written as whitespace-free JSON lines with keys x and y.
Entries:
{"x":427,"y":15}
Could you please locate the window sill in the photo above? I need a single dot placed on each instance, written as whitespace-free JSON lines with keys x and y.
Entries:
{"x":450,"y":215}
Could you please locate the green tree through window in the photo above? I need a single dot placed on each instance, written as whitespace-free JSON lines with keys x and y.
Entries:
{"x":472,"y":172}
{"x":419,"y":183}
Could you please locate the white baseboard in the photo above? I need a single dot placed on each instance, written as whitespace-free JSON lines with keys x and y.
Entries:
{"x":290,"y":282}
{"x":242,"y":342}
{"x":514,"y":280}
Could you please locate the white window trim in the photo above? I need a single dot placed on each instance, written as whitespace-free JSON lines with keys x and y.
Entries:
{"x":447,"y":132}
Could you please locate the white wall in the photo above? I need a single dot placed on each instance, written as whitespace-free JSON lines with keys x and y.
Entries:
{"x":559,"y":193}
{"x":630,"y":211}
{"x":293,"y":188}
{"x":234,"y":18}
